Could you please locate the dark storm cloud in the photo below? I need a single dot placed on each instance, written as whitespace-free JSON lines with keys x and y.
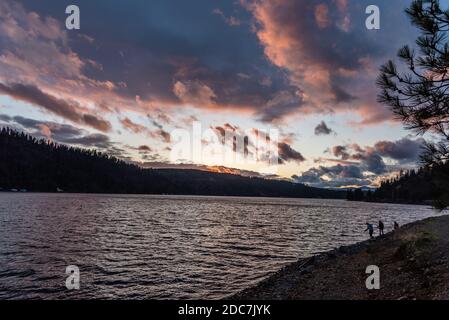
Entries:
{"x":68,"y":110}
{"x":322,"y":129}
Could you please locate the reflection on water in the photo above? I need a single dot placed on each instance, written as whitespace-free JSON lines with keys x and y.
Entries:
{"x":142,"y":247}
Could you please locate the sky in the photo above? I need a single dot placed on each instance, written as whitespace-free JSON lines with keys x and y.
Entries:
{"x":279,"y":88}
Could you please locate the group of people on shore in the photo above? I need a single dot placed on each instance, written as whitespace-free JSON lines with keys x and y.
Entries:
{"x":380,"y":227}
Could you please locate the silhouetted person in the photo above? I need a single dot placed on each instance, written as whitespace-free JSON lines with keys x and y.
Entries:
{"x":370,"y":228}
{"x":396,"y":225}
{"x":381,"y":228}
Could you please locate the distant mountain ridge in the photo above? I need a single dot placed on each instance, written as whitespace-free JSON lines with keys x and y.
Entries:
{"x":44,"y":166}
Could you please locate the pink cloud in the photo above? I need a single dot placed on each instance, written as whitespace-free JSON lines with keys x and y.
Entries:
{"x":194,"y":92}
{"x":329,"y":64}
{"x":38,"y":55}
{"x":136,"y":128}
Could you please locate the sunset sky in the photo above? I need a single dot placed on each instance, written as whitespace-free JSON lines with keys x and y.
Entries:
{"x":137,"y":70}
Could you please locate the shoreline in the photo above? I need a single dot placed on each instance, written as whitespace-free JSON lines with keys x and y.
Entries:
{"x":413,"y":263}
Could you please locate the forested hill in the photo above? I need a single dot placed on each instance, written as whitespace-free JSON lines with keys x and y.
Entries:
{"x":43,"y":166}
{"x":414,"y":186}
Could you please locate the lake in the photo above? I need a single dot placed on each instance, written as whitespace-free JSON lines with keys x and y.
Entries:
{"x":169,"y":247}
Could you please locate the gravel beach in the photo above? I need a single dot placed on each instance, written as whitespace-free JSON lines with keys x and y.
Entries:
{"x":413,"y":263}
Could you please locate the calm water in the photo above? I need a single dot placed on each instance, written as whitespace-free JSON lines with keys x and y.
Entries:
{"x":142,"y":247}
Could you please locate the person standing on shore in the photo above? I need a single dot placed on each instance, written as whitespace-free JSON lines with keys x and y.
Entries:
{"x":396,"y":225}
{"x":381,"y":228}
{"x":370,"y":228}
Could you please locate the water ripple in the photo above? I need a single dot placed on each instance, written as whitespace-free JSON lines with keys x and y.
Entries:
{"x":167,"y":247}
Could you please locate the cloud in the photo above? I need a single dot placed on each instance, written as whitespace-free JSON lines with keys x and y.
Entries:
{"x":369,"y":159}
{"x":362,"y":166}
{"x":36,"y":50}
{"x":195,"y":93}
{"x":281,"y":59}
{"x":144,"y":148}
{"x":374,"y":163}
{"x":162,"y":135}
{"x":283,"y":103}
{"x":404,"y":150}
{"x":336,"y":70}
{"x":322,"y":129}
{"x":163,"y":116}
{"x":65,"y":109}
{"x":231,"y":21}
{"x":62,"y":133}
{"x":92,"y":140}
{"x":287,"y":153}
{"x":279,"y":69}
{"x":132,"y":126}
{"x":180,"y":64}
{"x":333,"y":177}
{"x":58,"y":131}
{"x":340,"y":152}
{"x":5,"y":118}
{"x":96,"y":122}
{"x":137,"y":128}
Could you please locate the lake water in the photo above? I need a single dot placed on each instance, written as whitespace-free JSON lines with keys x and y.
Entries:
{"x":162,"y":247}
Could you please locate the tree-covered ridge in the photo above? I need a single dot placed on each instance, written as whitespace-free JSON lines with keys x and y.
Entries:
{"x":419,"y":186}
{"x":44,"y":166}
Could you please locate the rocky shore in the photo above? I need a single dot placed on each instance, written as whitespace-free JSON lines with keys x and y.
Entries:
{"x":413,"y":263}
